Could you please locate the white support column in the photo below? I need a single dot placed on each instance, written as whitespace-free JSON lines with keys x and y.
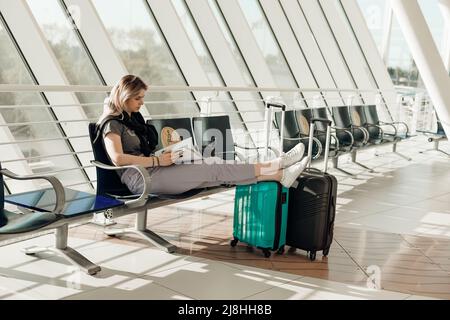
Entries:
{"x":426,"y":56}
{"x":444,"y":5}
{"x":387,"y":31}
{"x":374,"y":59}
{"x":288,"y":44}
{"x":44,"y":64}
{"x":311,"y":50}
{"x":99,"y":43}
{"x":325,"y":40}
{"x":225,"y":61}
{"x":96,"y":37}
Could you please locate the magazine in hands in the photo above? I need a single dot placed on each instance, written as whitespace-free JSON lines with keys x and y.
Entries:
{"x":187,"y":148}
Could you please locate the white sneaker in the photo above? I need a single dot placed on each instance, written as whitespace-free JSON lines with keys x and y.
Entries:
{"x":290,"y":174}
{"x":292,"y":156}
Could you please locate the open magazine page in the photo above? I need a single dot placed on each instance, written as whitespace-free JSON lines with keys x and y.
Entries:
{"x":189,"y":151}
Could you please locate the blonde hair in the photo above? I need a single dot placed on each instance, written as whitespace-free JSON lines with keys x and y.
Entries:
{"x":128,"y":87}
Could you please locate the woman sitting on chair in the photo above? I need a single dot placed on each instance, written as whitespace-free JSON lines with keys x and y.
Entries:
{"x":129,"y":140}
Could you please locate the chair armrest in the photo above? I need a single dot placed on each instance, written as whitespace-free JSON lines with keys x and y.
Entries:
{"x":338,"y":129}
{"x":247,"y":148}
{"x":317,"y":141}
{"x":390,"y":125}
{"x":333,"y":135}
{"x":143,"y":172}
{"x":404,"y":124}
{"x":56,"y":184}
{"x":376,"y":126}
{"x":364,"y":131}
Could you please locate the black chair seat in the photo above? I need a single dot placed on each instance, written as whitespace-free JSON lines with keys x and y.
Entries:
{"x":19,"y":223}
{"x":344,"y":139}
{"x":184,"y":195}
{"x":342,"y":119}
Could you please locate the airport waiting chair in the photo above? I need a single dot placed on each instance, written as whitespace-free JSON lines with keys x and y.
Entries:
{"x":371,"y":115}
{"x":342,"y":120}
{"x":214,"y":138}
{"x":108,"y":183}
{"x":437,"y":137}
{"x":343,"y":137}
{"x":171,"y":130}
{"x":47,"y":209}
{"x":376,"y":133}
{"x":361,"y":137}
{"x":304,"y":117}
{"x":394,"y":135}
{"x":213,"y":134}
{"x":294,"y":135}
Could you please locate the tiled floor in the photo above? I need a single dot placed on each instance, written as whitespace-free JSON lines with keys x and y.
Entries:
{"x":392,"y":232}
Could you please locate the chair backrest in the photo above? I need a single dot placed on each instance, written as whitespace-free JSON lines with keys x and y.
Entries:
{"x":321,"y":112}
{"x":171,"y":131}
{"x":2,"y":192}
{"x":359,"y":116}
{"x":341,"y":117}
{"x":213,"y":135}
{"x":372,"y":114}
{"x":440,"y":128}
{"x":108,"y":181}
{"x":291,"y":128}
{"x":304,"y":117}
{"x":3,"y":217}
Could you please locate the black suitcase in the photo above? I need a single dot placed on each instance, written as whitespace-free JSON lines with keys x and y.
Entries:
{"x":312,"y":206}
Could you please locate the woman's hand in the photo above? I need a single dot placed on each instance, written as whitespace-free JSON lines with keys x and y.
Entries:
{"x":168,"y":158}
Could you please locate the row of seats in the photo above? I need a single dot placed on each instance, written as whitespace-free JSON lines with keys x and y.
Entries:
{"x":436,"y":138}
{"x":58,"y":207}
{"x":354,"y":128}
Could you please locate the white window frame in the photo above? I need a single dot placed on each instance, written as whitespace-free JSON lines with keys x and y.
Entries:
{"x":374,"y":59}
{"x":224,"y":60}
{"x":311,"y":50}
{"x":46,"y":69}
{"x":326,"y":42}
{"x":349,"y":48}
{"x":290,"y":48}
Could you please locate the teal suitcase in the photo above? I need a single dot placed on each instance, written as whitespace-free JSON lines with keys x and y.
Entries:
{"x":260,"y":216}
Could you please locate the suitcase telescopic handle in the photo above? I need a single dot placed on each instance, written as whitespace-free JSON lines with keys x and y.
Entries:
{"x":268,"y":125}
{"x":327,"y":141}
{"x":276,"y":105}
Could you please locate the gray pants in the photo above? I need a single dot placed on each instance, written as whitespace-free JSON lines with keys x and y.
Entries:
{"x":180,"y":178}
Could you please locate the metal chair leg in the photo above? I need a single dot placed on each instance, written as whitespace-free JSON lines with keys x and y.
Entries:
{"x":141,"y":230}
{"x":61,"y":248}
{"x":360,"y":164}
{"x":335,"y":166}
{"x":435,"y":148}
{"x":394,"y":151}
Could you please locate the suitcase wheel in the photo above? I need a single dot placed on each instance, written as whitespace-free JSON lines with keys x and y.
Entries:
{"x":312,"y":255}
{"x":326,"y":251}
{"x":266,"y":253}
{"x":234,"y":242}
{"x":280,"y":250}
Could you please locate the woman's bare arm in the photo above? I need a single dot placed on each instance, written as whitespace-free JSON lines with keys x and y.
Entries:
{"x":113,"y":146}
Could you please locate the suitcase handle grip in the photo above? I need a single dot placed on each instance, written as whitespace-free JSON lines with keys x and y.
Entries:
{"x":326,"y":121}
{"x":276,"y":105}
